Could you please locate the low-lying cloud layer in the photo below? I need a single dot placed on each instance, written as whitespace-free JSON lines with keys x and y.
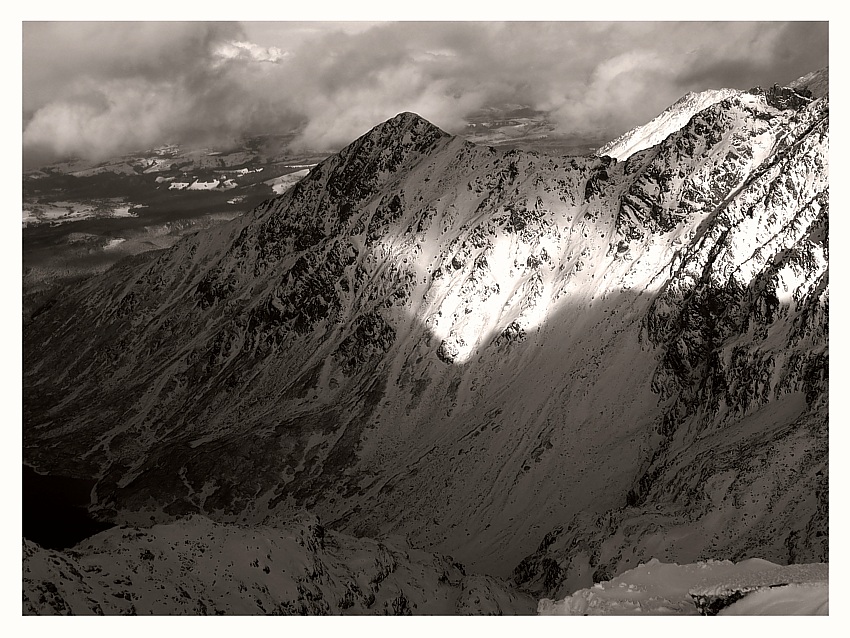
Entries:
{"x":99,"y":89}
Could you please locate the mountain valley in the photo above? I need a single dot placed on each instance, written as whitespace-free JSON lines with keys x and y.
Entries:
{"x":511,"y":374}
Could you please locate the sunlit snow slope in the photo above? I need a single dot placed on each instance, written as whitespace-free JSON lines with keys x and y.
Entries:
{"x":672,"y":119}
{"x":469,"y":346}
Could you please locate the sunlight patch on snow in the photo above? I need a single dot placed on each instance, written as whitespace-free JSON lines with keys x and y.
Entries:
{"x":114,"y":243}
{"x":522,"y":284}
{"x":29,"y":218}
{"x":123,"y":211}
{"x":203,"y":186}
{"x":281,"y":184}
{"x":762,"y":146}
{"x":466,"y":319}
{"x":789,"y":281}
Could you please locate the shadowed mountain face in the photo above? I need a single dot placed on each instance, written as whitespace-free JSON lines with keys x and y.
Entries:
{"x":198,"y":567}
{"x":468,"y":346}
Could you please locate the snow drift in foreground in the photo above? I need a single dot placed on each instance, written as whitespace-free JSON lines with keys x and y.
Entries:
{"x":750,"y":587}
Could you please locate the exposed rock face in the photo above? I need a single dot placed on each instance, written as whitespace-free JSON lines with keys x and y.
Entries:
{"x":202,"y":568}
{"x":467,"y":345}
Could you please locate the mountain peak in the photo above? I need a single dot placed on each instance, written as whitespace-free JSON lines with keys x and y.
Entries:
{"x":399,"y":140}
{"x":673,"y":118}
{"x":408,"y":116}
{"x":404,"y":122}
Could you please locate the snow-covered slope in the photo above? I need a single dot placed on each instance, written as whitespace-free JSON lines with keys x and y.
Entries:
{"x":469,"y":346}
{"x":198,"y":567}
{"x":753,"y":587}
{"x":741,"y":331}
{"x":673,"y":118}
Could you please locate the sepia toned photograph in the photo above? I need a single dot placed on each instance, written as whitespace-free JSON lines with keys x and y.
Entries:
{"x":430,"y":318}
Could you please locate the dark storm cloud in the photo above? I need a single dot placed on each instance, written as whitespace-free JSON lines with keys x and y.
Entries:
{"x":787,"y":51}
{"x":58,"y":58}
{"x":97,"y":89}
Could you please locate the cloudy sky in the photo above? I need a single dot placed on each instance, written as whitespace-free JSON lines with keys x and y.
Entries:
{"x":96,"y":89}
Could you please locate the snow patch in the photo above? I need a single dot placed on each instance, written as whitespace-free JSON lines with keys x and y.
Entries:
{"x":114,"y":243}
{"x":284,"y":182}
{"x":753,"y":586}
{"x":65,"y":211}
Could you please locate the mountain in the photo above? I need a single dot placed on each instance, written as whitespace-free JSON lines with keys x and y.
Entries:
{"x":742,"y":468}
{"x":677,"y":115}
{"x":199,"y":567}
{"x":547,"y":367}
{"x":673,"y":118}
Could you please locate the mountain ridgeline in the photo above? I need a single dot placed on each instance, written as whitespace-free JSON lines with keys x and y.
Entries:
{"x":551,"y":368}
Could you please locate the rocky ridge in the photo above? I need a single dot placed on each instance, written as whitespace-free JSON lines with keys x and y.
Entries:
{"x":816,"y":83}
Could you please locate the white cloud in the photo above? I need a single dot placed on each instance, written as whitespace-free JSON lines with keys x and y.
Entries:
{"x":248,"y":51}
